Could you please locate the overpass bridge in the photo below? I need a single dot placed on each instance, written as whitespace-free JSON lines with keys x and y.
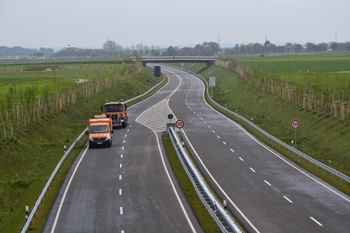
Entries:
{"x":178,"y":59}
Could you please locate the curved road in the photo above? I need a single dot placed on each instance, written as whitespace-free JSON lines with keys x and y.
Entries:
{"x":131,"y":188}
{"x":265,"y":191}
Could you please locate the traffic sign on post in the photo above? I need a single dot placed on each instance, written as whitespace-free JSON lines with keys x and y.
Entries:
{"x":180,"y":124}
{"x":295,"y":124}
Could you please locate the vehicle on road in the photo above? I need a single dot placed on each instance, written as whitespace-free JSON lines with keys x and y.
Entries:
{"x":100,"y":132}
{"x":117,"y":112}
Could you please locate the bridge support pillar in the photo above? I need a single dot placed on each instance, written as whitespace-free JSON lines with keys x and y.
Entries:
{"x":144,"y":63}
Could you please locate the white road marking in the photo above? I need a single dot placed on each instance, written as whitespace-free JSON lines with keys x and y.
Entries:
{"x":128,"y":130}
{"x":121,"y":165}
{"x":197,"y":115}
{"x":65,"y":192}
{"x":208,"y":126}
{"x":121,"y":156}
{"x":213,"y":131}
{"x":120,"y":177}
{"x":122,"y":231}
{"x":201,"y":118}
{"x":205,"y":122}
{"x":120,"y":191}
{"x":287,"y":199}
{"x":252,"y":169}
{"x":267,"y":182}
{"x":130,"y":126}
{"x":194,"y":112}
{"x":121,"y":210}
{"x":126,"y":135}
{"x":316,"y":222}
{"x":124,"y":141}
{"x":123,"y":148}
{"x":241,"y":158}
{"x":224,"y":143}
{"x":232,"y":150}
{"x":218,"y":136}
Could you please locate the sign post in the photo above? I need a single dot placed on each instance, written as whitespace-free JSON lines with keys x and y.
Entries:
{"x":295,"y":125}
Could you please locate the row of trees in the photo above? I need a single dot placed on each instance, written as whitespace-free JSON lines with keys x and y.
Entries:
{"x":268,"y":47}
{"x":19,"y":51}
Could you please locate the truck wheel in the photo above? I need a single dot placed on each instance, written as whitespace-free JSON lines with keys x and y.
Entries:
{"x":124,"y":125}
{"x":110,"y":144}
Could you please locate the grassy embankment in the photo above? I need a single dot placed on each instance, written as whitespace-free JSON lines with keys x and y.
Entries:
{"x":29,"y":157}
{"x":320,"y":136}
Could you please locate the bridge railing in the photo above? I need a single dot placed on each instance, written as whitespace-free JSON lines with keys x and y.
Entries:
{"x":225,"y":222}
{"x":275,"y":141}
{"x":61,"y":162}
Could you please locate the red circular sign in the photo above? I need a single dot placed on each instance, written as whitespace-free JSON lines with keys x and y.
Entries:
{"x":179,"y":124}
{"x":295,"y":124}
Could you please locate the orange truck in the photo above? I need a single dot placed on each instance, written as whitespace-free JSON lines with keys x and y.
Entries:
{"x":117,"y":112}
{"x":100,"y":132}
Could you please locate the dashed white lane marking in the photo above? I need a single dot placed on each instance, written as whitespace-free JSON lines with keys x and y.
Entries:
{"x":121,"y":165}
{"x":128,"y":130}
{"x":205,"y":122}
{"x":123,"y":148}
{"x":120,"y":177}
{"x":121,"y":156}
{"x":232,"y":150}
{"x":121,"y":210}
{"x":197,"y":115}
{"x":122,"y":231}
{"x":224,"y":143}
{"x":287,"y":199}
{"x":316,"y":222}
{"x":241,"y":158}
{"x":124,"y":141}
{"x":213,"y":131}
{"x":208,"y":126}
{"x":126,"y":135}
{"x":252,"y":169}
{"x":194,"y":112}
{"x":130,"y":126}
{"x":201,"y":118}
{"x":218,"y":136}
{"x":120,"y":191}
{"x":267,"y":183}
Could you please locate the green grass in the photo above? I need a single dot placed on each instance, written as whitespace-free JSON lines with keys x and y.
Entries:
{"x":28,"y":158}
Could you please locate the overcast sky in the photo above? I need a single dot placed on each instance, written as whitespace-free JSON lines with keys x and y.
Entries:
{"x":89,"y":23}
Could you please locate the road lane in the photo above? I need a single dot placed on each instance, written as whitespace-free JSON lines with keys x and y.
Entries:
{"x":273,"y":195}
{"x":125,"y":188}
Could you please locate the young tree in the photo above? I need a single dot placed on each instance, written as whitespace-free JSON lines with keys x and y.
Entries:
{"x":109,"y":45}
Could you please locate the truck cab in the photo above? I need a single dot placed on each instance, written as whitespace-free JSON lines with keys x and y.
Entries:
{"x":100,"y":132}
{"x":117,"y":112}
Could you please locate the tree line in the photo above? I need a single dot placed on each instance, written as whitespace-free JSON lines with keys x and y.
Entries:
{"x":19,"y":51}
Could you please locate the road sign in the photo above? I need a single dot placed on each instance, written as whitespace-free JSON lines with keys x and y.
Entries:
{"x":295,"y":124}
{"x":211,"y":81}
{"x":179,"y":124}
{"x":170,"y":116}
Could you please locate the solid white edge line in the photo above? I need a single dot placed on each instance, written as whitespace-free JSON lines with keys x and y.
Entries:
{"x":267,"y":182}
{"x":280,"y":157}
{"x":316,"y":222}
{"x":287,"y":199}
{"x":65,"y":192}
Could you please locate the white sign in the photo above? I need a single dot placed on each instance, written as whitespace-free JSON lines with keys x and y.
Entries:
{"x":211,"y":81}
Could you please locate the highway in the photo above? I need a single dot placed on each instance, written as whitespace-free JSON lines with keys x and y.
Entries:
{"x":265,"y":191}
{"x":131,"y":188}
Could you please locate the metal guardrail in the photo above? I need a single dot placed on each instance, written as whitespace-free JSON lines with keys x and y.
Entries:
{"x":275,"y":140}
{"x":63,"y":159}
{"x":225,"y":222}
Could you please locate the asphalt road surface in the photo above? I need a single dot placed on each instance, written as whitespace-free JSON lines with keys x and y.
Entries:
{"x":265,"y":191}
{"x":129,"y":187}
